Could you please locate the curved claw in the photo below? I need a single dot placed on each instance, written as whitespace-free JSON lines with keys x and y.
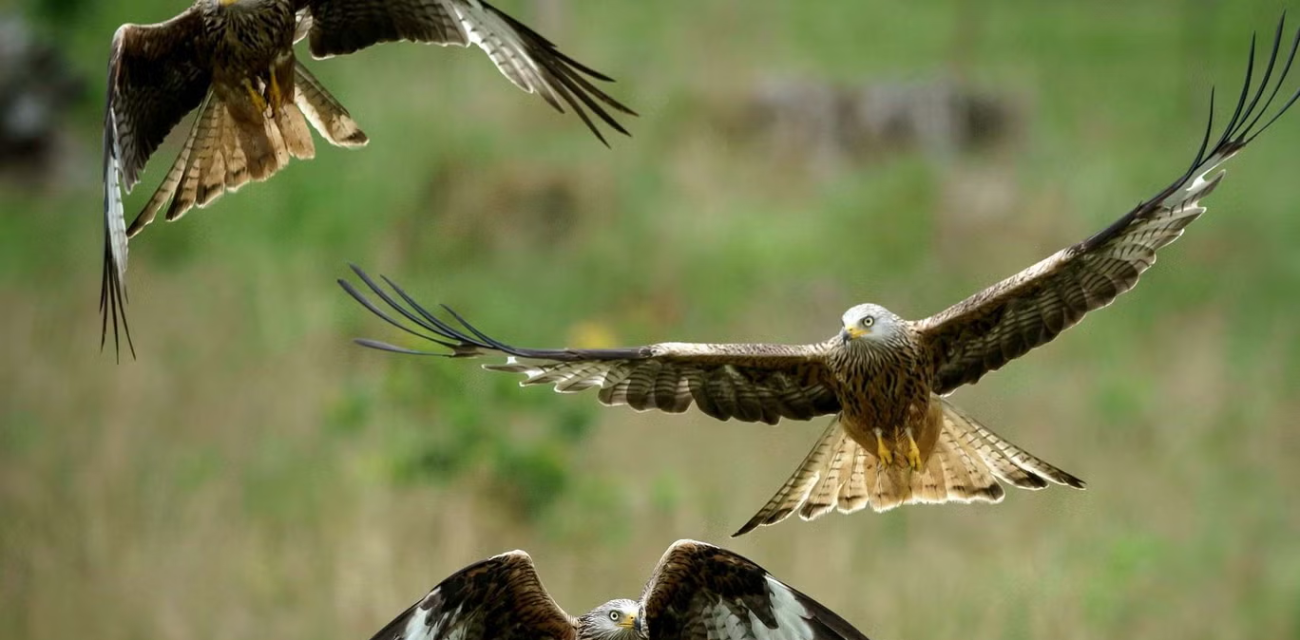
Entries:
{"x":276,"y":95}
{"x":913,"y":452}
{"x":255,"y":96}
{"x":882,"y":450}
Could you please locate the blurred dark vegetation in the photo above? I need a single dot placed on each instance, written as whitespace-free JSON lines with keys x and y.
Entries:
{"x":254,"y":473}
{"x":37,"y":87}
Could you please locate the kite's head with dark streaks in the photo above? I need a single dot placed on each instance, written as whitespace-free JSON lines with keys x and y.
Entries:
{"x":870,"y":325}
{"x":614,"y":620}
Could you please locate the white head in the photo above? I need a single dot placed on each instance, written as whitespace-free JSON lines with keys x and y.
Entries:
{"x":870,"y":325}
{"x":614,"y":620}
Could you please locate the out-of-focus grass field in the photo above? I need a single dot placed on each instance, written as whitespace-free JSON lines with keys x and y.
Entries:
{"x":255,"y":475}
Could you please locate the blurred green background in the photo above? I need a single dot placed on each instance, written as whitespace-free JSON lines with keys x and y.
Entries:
{"x":254,"y":474}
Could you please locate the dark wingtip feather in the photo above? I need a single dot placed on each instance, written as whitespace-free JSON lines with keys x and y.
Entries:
{"x":112,"y":303}
{"x":365,"y":302}
{"x":754,"y":523}
{"x":384,"y":346}
{"x":1237,"y":133}
{"x":565,"y":77}
{"x":463,"y":344}
{"x":442,"y":334}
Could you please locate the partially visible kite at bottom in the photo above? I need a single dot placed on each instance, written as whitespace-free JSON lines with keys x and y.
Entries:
{"x":698,"y":592}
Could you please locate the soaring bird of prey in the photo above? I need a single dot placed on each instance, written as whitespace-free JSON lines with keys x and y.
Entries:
{"x":894,"y":439}
{"x":233,"y":61}
{"x":698,"y":592}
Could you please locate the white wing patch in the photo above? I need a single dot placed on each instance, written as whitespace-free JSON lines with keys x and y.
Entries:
{"x":498,"y":40}
{"x":114,"y":216}
{"x":448,"y":627}
{"x":791,"y":616}
{"x":722,"y":621}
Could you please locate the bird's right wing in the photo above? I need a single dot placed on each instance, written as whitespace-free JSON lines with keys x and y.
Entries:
{"x":154,"y":79}
{"x":702,"y":592}
{"x":749,"y":382}
{"x":528,"y":59}
{"x":500,"y":598}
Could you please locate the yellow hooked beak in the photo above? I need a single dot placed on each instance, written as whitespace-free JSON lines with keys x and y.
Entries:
{"x":628,"y":621}
{"x":227,"y":3}
{"x":855,"y":332}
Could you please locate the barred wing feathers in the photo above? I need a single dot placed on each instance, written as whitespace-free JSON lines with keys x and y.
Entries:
{"x":500,"y":598}
{"x":1006,"y":320}
{"x":529,"y":60}
{"x":749,"y":382}
{"x":702,"y":592}
{"x":154,"y":78}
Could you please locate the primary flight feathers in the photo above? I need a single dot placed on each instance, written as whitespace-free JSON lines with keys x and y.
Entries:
{"x":894,"y":439}
{"x":233,"y":62}
{"x":697,"y":592}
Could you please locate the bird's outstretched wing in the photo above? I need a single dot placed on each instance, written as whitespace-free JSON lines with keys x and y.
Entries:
{"x":749,"y":382}
{"x":500,"y":598}
{"x":701,"y":592}
{"x":529,"y":60}
{"x":154,"y":79}
{"x":1006,"y":320}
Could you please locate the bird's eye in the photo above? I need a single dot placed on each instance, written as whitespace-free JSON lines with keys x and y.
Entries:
{"x":613,"y":615}
{"x":868,"y":321}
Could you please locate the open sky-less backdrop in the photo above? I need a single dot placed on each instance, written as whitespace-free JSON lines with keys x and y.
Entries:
{"x":254,"y":474}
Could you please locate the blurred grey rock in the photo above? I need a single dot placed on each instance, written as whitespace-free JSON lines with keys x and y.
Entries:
{"x":832,"y":124}
{"x":37,"y":86}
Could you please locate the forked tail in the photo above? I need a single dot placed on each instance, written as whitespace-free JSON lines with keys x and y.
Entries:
{"x":966,"y":465}
{"x":222,"y":153}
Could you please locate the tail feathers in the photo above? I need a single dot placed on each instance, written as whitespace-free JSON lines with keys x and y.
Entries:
{"x":795,"y":490}
{"x":232,"y":152}
{"x":171,"y":182}
{"x":227,"y":153}
{"x":854,"y":493}
{"x":1007,"y":461}
{"x":293,"y":127}
{"x":965,"y":465}
{"x":954,"y":473}
{"x":325,"y":113}
{"x":826,"y":493}
{"x":263,"y":146}
{"x":222,"y":153}
{"x":206,"y":175}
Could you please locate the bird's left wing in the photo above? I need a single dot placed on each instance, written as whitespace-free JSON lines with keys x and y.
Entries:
{"x":1001,"y":323}
{"x":749,"y":382}
{"x":155,"y":77}
{"x":529,"y":60}
{"x":702,"y":592}
{"x":500,"y":598}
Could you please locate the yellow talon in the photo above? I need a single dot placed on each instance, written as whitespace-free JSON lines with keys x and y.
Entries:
{"x":277,"y":98}
{"x":255,"y":96}
{"x":886,"y":456}
{"x":913,"y":452}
